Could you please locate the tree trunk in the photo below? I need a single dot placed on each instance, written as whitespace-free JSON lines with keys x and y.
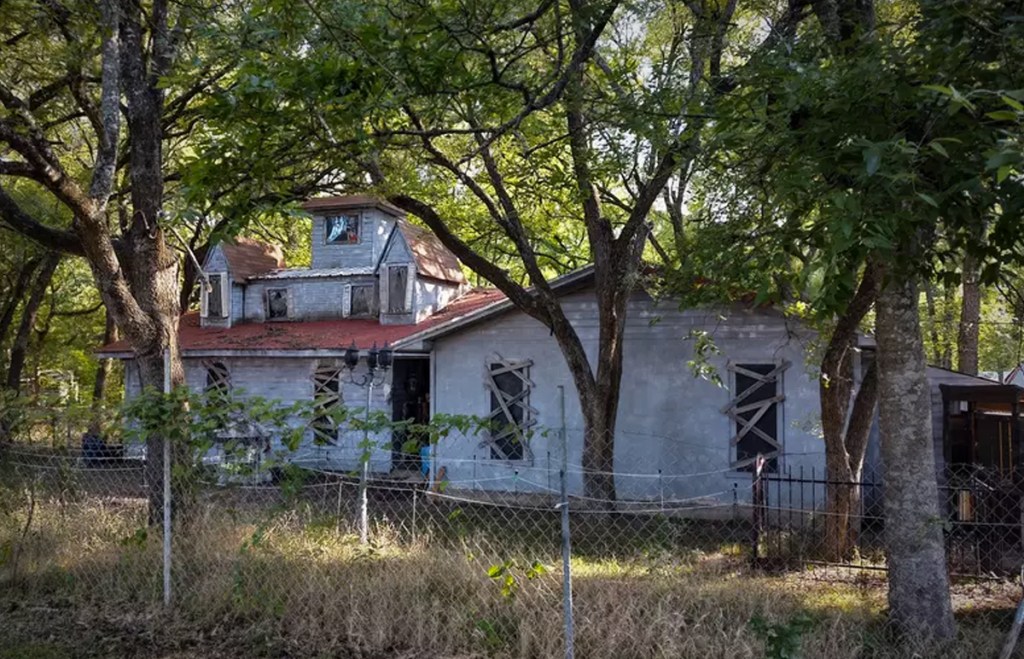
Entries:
{"x":99,"y":385}
{"x":19,"y":349}
{"x":845,"y":421}
{"x":970,"y":318}
{"x":919,"y":602}
{"x":17,"y":292}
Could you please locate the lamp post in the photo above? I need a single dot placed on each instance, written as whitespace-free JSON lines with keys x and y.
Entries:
{"x":377,"y":364}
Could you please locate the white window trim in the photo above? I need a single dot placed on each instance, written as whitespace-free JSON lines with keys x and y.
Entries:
{"x":225,"y":296}
{"x":359,"y":233}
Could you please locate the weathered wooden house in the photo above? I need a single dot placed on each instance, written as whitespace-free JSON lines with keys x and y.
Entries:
{"x":678,"y":437}
{"x":375,"y":279}
{"x":283,"y":333}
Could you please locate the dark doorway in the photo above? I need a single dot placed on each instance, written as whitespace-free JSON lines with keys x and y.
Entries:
{"x":410,"y":401}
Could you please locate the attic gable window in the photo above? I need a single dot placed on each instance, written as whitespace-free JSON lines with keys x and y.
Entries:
{"x":511,"y":416}
{"x":342,"y":229}
{"x":399,"y":289}
{"x":277,"y":303}
{"x":214,"y":299}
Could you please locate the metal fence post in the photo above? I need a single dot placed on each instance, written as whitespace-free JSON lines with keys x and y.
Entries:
{"x":364,"y":473}
{"x":567,"y":573}
{"x":167,"y":488}
{"x":415,"y":492}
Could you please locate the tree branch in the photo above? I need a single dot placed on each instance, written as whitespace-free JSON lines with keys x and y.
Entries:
{"x":23,"y":223}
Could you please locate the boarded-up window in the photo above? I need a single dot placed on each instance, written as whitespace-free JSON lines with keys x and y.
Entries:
{"x":754,"y":410}
{"x":511,"y":415}
{"x":398,"y":289}
{"x":362,"y":300}
{"x":327,"y":401}
{"x":277,"y":303}
{"x":341,"y":229}
{"x":218,"y":378}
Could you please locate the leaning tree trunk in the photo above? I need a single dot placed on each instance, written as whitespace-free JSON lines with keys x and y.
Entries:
{"x":970,"y":318}
{"x":846,"y":420}
{"x":919,"y":602}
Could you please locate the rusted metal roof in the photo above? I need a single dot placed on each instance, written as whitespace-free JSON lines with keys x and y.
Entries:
{"x":333,"y":335}
{"x":432,"y":258}
{"x":248,"y":258}
{"x":316,"y":273}
{"x":348,"y":202}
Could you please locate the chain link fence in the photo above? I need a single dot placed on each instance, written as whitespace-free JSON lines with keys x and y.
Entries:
{"x":452,"y":554}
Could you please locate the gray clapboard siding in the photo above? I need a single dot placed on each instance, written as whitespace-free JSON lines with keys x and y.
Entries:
{"x":310,"y":299}
{"x":287,"y":380}
{"x":374,"y":230}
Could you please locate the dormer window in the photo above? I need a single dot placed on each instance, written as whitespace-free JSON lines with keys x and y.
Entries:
{"x":342,"y":229}
{"x":214,"y":302}
{"x":277,"y":303}
{"x":399,"y":289}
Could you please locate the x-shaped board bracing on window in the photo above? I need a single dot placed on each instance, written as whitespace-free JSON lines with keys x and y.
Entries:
{"x":326,"y":396}
{"x":504,"y":419}
{"x":746,"y":426}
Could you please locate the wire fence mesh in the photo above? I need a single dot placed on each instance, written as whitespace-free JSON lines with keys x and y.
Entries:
{"x":449,"y":553}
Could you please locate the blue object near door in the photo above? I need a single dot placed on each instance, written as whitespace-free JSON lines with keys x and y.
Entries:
{"x":425,"y":459}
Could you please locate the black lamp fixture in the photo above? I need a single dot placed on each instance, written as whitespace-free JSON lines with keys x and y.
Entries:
{"x":377,"y":359}
{"x":352,"y":357}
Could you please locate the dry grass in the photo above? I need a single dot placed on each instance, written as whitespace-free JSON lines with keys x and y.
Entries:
{"x":84,"y":579}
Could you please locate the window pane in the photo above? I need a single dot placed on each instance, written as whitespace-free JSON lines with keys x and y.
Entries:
{"x":342,"y":229}
{"x":215,"y":306}
{"x":398,"y":280}
{"x":362,"y":300}
{"x":277,"y":303}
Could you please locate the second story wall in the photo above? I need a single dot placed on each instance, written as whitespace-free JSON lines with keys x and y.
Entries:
{"x":320,"y":298}
{"x":342,"y":251}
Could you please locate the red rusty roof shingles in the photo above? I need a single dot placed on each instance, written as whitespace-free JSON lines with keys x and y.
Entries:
{"x":432,"y":258}
{"x":248,"y":258}
{"x":310,"y":335}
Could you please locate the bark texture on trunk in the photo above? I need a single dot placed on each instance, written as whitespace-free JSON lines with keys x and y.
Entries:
{"x":19,"y":349}
{"x":970,"y":318}
{"x":845,"y":419}
{"x":919,"y":601}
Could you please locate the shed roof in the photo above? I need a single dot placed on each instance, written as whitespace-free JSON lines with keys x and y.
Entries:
{"x":348,"y":202}
{"x":250,"y":258}
{"x":319,"y":335}
{"x":432,"y":258}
